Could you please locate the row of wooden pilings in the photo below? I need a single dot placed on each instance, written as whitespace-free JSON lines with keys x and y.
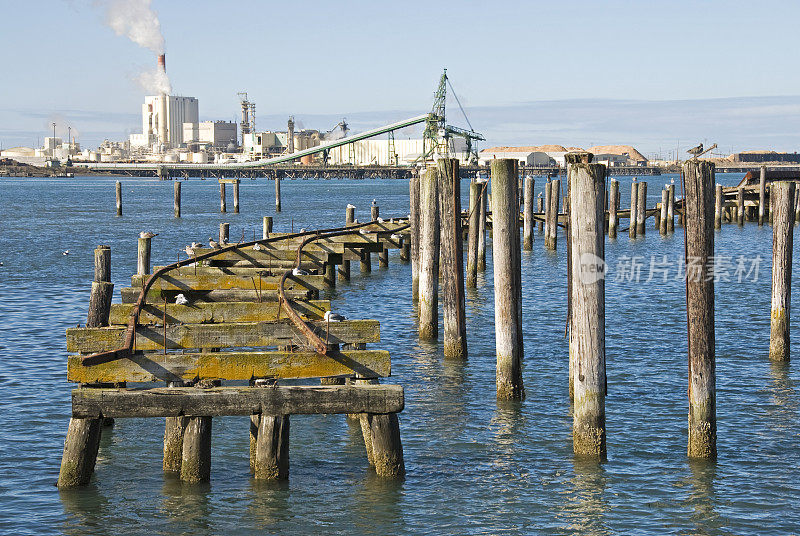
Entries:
{"x":436,"y":243}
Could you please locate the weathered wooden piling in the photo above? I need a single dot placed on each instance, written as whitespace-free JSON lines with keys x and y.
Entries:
{"x":196,"y":454}
{"x":143,"y":256}
{"x":429,"y":255}
{"x":266,"y":227}
{"x":118,"y":190}
{"x":272,"y":448}
{"x":224,"y":233}
{"x":414,"y":227}
{"x":507,"y":291}
{"x":277,"y":194}
{"x":527,"y":214}
{"x":80,"y":452}
{"x":236,"y":196}
{"x":472,"y":238}
{"x":762,"y":194}
{"x":386,"y":446}
{"x":698,"y":204}
{"x":613,"y":207}
{"x":551,"y":226}
{"x":176,"y":198}
{"x":719,"y":203}
{"x":632,"y":227}
{"x":451,"y":268}
{"x":797,"y":203}
{"x":222,"y":206}
{"x":782,"y":198}
{"x":375,"y":211}
{"x":671,"y":209}
{"x":740,"y":206}
{"x":349,"y":219}
{"x":586,"y":219}
{"x":174,"y":430}
{"x":102,"y":289}
{"x":482,"y":227}
{"x":641,"y":209}
{"x":540,"y":210}
{"x":548,"y":189}
{"x":662,"y":223}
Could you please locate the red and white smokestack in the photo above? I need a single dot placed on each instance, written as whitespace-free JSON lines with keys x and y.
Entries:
{"x":162,"y":108}
{"x":162,"y":62}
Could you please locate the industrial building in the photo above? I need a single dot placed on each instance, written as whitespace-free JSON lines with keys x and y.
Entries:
{"x":553,"y":155}
{"x":216,"y":134}
{"x":167,"y":134}
{"x":765,"y":156}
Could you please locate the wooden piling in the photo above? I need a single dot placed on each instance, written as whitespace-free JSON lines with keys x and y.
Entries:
{"x":143,"y":256}
{"x":176,"y":198}
{"x":429,"y":255}
{"x":196,"y":453}
{"x":641,"y":209}
{"x":662,"y":224}
{"x":797,"y":203}
{"x":740,"y":206}
{"x":551,"y":226}
{"x":632,"y":227}
{"x":80,"y":453}
{"x":782,"y":199}
{"x":698,"y":206}
{"x":266,"y":227}
{"x":540,"y":210}
{"x":236,"y":196}
{"x":174,"y":430}
{"x":224,"y":233}
{"x":586,"y":219}
{"x":102,"y":289}
{"x":671,"y":209}
{"x":387,"y":448}
{"x":482,"y":227}
{"x":405,"y":249}
{"x":762,"y":194}
{"x":472,"y":238}
{"x":222,"y":206}
{"x":118,"y":190}
{"x":414,"y":221}
{"x":613,"y":207}
{"x":527,"y":214}
{"x":375,"y":212}
{"x":451,"y":267}
{"x":272,"y":448}
{"x":277,"y":194}
{"x":349,"y":219}
{"x":366,"y":262}
{"x":507,"y":294}
{"x":719,"y":203}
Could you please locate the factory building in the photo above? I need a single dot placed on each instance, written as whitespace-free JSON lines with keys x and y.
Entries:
{"x":526,"y":156}
{"x":217,"y":134}
{"x":377,"y":152}
{"x":765,"y":156}
{"x":167,"y":134}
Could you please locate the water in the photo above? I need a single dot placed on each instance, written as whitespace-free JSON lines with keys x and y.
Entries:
{"x":474,"y":466}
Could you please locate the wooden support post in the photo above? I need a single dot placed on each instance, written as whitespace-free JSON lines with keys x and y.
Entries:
{"x":349,"y":218}
{"x":414,"y":221}
{"x":80,"y":453}
{"x":671,"y":209}
{"x":783,"y":194}
{"x":527,"y":214}
{"x":272,"y":448}
{"x":143,"y":256}
{"x":586,"y":219}
{"x":507,"y":291}
{"x":366,"y":261}
{"x":266,"y":227}
{"x":196,"y":453}
{"x":540,"y":210}
{"x":551,"y":226}
{"x":174,"y":430}
{"x":719,"y":203}
{"x":662,"y":224}
{"x":482,"y":227}
{"x":613,"y":207}
{"x":236,"y":196}
{"x":387,"y":449}
{"x":796,"y":203}
{"x":222,"y":206}
{"x":641,"y":209}
{"x":176,"y":197}
{"x":118,"y":190}
{"x":472,"y":238}
{"x":405,"y":249}
{"x":770,"y":203}
{"x":102,"y":289}
{"x":740,"y":206}
{"x":224,"y":232}
{"x":255,"y":419}
{"x":451,"y":268}
{"x":277,"y":194}
{"x":383,"y":257}
{"x":762,"y":194}
{"x":548,"y":189}
{"x":699,"y":206}
{"x":632,"y":227}
{"x":374,"y":211}
{"x":429,"y":255}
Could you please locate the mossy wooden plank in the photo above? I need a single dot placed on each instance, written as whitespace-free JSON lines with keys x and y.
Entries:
{"x":170,"y":367}
{"x":221,"y":281}
{"x":235,"y":335}
{"x":223,"y":401}
{"x":130,"y":295}
{"x":243,"y":270}
{"x":278,"y":250}
{"x":215,"y":312}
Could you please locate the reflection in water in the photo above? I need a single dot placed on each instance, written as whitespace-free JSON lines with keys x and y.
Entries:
{"x":586,"y":507}
{"x":269,"y":506}
{"x":86,"y":510}
{"x":377,"y":506}
{"x":702,"y":498}
{"x":186,"y":504}
{"x":508,"y":424}
{"x":785,"y":409}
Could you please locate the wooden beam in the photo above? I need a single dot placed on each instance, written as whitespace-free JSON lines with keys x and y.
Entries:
{"x":172,"y":367}
{"x":215,"y":312}
{"x":129,"y":295}
{"x":225,"y":401}
{"x":188,"y":281}
{"x":227,"y":335}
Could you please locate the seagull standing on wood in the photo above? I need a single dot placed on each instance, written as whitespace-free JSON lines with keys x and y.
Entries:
{"x":147,"y":234}
{"x":213,"y":244}
{"x":330,"y":316}
{"x":180,"y":299}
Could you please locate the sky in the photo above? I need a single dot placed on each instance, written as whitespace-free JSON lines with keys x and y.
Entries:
{"x":657,"y":75}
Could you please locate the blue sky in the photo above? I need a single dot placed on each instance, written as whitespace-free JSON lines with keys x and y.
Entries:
{"x":572,"y":72}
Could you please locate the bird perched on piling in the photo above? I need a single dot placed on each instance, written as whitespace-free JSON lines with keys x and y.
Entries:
{"x":349,"y":205}
{"x":213,"y":244}
{"x":379,"y":220}
{"x":374,"y":202}
{"x":147,"y":234}
{"x":330,"y":316}
{"x":180,"y":299}
{"x":696,"y":150}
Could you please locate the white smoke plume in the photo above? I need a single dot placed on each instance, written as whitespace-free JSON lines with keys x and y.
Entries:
{"x":136,"y":20}
{"x":154,"y":81}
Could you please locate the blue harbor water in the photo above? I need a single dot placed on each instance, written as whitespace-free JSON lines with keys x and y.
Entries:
{"x":474,"y":466}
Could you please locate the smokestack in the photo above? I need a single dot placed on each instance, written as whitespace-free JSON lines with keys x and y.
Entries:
{"x":162,"y":62}
{"x":162,"y":109}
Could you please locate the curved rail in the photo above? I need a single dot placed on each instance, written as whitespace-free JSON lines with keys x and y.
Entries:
{"x":130,"y":334}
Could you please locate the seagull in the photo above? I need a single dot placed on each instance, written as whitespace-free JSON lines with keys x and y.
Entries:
{"x":396,"y":237}
{"x":147,"y":234}
{"x":303,"y":230}
{"x":257,"y":247}
{"x":213,"y":244}
{"x":1,"y":264}
{"x":196,"y":245}
{"x":696,"y":150}
{"x":299,"y":271}
{"x":374,"y":202}
{"x":672,"y":180}
{"x":350,"y":206}
{"x":362,"y":231}
{"x":379,"y":220}
{"x":330,"y":316}
{"x":189,"y":251}
{"x":180,"y":299}
{"x":391,"y":220}
{"x":65,"y":252}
